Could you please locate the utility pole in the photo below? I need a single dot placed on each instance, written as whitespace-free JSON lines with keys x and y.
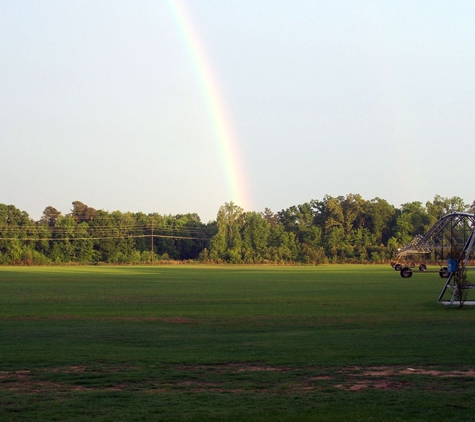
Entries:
{"x":151,"y":243}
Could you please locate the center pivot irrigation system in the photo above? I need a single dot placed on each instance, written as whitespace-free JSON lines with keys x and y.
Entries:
{"x":448,"y":243}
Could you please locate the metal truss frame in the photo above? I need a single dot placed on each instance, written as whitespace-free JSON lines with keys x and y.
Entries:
{"x":451,"y":239}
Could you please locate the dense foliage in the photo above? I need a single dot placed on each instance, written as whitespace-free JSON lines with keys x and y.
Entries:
{"x":334,"y":229}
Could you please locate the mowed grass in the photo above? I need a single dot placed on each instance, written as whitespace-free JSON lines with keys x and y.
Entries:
{"x":341,"y":342}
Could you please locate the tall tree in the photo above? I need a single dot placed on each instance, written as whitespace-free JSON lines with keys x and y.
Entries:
{"x":381,"y":219}
{"x":256,"y":231}
{"x":442,"y":206}
{"x":226,"y":244}
{"x":81,"y":212}
{"x":50,"y":215}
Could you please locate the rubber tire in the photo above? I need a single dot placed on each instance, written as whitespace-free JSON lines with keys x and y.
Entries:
{"x":443,"y":273}
{"x":398,"y":267}
{"x":423,"y":268}
{"x":406,"y":272}
{"x":392,"y":264}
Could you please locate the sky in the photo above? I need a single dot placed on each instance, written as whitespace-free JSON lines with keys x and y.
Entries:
{"x":178,"y":107}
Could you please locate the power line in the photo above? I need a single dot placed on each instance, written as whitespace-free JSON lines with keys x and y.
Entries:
{"x":98,"y":229}
{"x":27,"y":239}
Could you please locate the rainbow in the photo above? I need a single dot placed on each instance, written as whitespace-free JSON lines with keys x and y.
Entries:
{"x":219,"y":116}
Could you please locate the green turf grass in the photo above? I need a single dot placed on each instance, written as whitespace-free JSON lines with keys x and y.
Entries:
{"x":232,"y":343}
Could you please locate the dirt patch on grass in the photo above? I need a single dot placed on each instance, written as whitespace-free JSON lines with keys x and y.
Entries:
{"x":378,"y":385}
{"x":74,"y":369}
{"x":444,"y":374}
{"x":229,"y":378}
{"x":390,"y":371}
{"x":264,"y":369}
{"x":382,"y":377}
{"x":78,"y":369}
{"x":22,"y":381}
{"x":233,"y":367}
{"x":354,"y":378}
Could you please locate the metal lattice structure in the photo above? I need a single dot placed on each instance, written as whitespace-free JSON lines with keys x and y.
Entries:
{"x":449,"y":243}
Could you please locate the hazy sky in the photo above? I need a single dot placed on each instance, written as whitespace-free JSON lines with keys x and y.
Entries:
{"x":101,"y":101}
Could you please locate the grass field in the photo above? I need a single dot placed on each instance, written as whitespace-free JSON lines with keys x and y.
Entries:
{"x":233,"y":343}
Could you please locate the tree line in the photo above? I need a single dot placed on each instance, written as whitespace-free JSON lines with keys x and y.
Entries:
{"x":331,"y":230}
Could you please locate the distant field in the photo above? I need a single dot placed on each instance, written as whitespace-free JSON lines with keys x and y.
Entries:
{"x":341,"y":342}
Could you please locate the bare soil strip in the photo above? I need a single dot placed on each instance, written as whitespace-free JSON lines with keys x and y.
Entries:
{"x":347,"y":378}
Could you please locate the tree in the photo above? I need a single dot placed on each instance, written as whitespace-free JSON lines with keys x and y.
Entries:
{"x":412,"y":219}
{"x":270,"y":217}
{"x":50,"y":216}
{"x":81,"y":212}
{"x":63,"y":248}
{"x":226,"y":244}
{"x":283,"y":245}
{"x":255,"y":236}
{"x":381,"y":219}
{"x":301,"y":221}
{"x":354,"y":212}
{"x":442,"y":206}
